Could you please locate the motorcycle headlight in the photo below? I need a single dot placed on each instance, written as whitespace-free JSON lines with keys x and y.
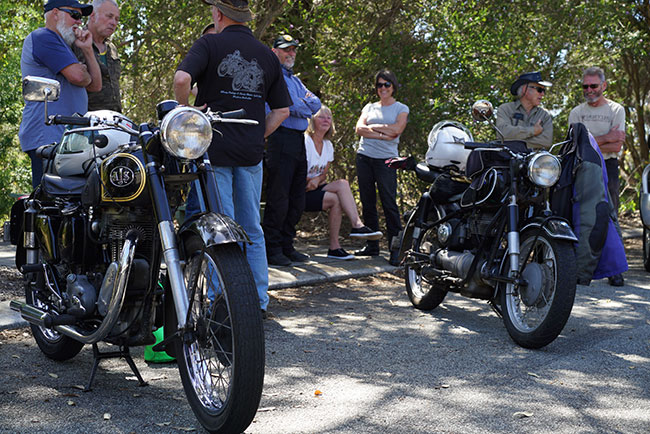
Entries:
{"x":186,"y":133}
{"x":544,"y":169}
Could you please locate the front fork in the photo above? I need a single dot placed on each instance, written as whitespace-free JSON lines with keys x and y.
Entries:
{"x":169,"y":242}
{"x":513,"y":236}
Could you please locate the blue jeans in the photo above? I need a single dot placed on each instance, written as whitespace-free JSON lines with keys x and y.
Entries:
{"x":240,"y":189}
{"x":37,"y":168}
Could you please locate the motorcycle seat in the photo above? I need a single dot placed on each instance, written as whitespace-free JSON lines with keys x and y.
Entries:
{"x":63,"y":186}
{"x":425,"y":172}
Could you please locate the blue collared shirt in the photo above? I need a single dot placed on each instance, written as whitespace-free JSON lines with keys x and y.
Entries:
{"x":303,"y":106}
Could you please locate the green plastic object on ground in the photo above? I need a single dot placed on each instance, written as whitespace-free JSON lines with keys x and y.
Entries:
{"x":157,"y":356}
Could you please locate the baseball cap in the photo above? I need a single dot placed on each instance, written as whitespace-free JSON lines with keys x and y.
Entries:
{"x":55,"y":4}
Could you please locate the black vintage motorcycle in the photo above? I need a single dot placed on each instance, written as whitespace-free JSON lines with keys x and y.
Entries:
{"x":493,"y":238}
{"x":104,"y":260}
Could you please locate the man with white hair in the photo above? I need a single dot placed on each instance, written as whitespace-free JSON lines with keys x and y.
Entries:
{"x":102,"y":23}
{"x":524,"y":119}
{"x":47,"y":53}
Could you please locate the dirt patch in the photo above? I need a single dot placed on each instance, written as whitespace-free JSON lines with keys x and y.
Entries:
{"x":12,"y":287}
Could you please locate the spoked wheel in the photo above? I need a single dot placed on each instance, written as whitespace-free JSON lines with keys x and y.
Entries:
{"x":424,"y":294}
{"x":52,"y":343}
{"x":221,"y":358}
{"x":646,"y":249}
{"x":536,"y":313}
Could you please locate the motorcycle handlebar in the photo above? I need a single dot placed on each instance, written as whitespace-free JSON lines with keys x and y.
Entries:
{"x":70,"y":120}
{"x":476,"y":145}
{"x":235,"y":114}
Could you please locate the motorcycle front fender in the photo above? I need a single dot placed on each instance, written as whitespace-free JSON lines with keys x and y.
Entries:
{"x":214,"y":229}
{"x":556,"y":227}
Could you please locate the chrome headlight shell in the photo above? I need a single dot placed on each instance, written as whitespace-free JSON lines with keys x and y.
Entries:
{"x":544,"y":169}
{"x":186,"y":133}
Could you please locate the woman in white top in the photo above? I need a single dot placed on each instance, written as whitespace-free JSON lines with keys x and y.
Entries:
{"x":335,"y":196}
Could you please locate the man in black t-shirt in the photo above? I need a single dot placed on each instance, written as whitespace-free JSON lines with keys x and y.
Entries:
{"x":233,"y":70}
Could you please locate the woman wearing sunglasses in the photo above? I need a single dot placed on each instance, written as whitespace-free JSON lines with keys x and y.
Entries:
{"x":524,"y":119}
{"x":380,"y":126}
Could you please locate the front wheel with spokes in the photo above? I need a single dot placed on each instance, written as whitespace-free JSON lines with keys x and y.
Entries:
{"x":221,"y":355}
{"x":535,"y":313}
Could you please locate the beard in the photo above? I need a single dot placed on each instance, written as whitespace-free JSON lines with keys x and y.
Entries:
{"x":593,"y":97}
{"x":289,"y":62}
{"x":67,"y":33}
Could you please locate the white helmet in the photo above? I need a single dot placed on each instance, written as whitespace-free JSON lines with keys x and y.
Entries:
{"x":446,"y":145}
{"x":76,"y":151}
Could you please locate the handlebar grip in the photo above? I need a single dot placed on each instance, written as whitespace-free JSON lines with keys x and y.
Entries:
{"x":71,"y":120}
{"x":475,"y":145}
{"x":235,"y":114}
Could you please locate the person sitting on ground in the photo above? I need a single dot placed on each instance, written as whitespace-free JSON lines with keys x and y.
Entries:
{"x":334,"y":197}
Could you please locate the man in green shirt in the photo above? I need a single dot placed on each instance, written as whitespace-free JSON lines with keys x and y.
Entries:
{"x":524,"y":119}
{"x":102,"y":23}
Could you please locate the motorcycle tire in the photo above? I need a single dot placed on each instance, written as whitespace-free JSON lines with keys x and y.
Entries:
{"x":536,"y":314}
{"x":646,"y":249}
{"x":221,"y":361}
{"x":51,"y":343}
{"x":423,"y":295}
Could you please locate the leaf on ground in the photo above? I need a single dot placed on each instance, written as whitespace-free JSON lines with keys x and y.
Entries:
{"x":265,"y":409}
{"x":71,"y":403}
{"x":15,"y":356}
{"x":308,"y":351}
{"x":78,"y":386}
{"x":163,"y":423}
{"x":107,"y":416}
{"x":532,"y":374}
{"x":184,"y":428}
{"x":522,"y":414}
{"x":137,"y":395}
{"x":445,"y":386}
{"x":318,"y":393}
{"x":52,"y":375}
{"x":71,"y":395}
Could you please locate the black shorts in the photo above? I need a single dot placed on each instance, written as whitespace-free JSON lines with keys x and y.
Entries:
{"x":314,"y":199}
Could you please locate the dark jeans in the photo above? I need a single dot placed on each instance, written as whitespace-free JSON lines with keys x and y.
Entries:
{"x":37,"y":168}
{"x":286,"y":170}
{"x":613,"y":183}
{"x":373,"y":174}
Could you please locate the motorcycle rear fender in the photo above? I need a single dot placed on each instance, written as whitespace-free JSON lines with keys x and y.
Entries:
{"x":214,"y":229}
{"x":556,"y":227}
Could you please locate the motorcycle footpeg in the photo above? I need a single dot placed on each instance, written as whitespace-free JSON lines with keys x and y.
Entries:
{"x":50,"y":321}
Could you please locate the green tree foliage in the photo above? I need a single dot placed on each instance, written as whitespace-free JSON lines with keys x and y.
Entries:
{"x":445,"y":53}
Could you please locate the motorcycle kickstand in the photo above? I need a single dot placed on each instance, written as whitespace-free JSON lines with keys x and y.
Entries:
{"x":124,"y":353}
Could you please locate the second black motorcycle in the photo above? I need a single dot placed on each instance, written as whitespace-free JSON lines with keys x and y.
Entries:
{"x":484,"y":229}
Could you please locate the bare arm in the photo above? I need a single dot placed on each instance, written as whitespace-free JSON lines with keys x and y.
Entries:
{"x":313,"y":183}
{"x":182,"y":86}
{"x":612,"y":141}
{"x":392,"y":130}
{"x":274,"y":118}
{"x":94,"y":80}
{"x":364,"y":130}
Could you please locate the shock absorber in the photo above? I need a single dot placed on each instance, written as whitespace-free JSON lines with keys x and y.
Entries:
{"x":29,"y":232}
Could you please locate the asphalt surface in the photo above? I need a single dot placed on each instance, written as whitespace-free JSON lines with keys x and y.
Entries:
{"x":354,"y":357}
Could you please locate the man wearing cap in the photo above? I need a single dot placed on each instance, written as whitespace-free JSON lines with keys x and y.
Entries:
{"x":47,"y":53}
{"x":102,"y":23}
{"x":233,"y":70}
{"x":286,"y":163}
{"x":524,"y":119}
{"x":605,"y":120}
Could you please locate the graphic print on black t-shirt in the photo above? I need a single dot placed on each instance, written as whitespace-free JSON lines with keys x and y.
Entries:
{"x":246,"y":76}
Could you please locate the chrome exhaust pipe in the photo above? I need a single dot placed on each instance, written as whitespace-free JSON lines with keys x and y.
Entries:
{"x":29,"y":313}
{"x":117,"y":279}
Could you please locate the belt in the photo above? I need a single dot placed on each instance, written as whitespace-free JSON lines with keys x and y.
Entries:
{"x":290,"y":130}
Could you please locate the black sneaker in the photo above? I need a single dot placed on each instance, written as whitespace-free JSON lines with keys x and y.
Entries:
{"x":616,"y":280}
{"x":278,"y":259}
{"x":339,"y":254}
{"x":365,"y":233}
{"x":296,"y":256}
{"x":367,"y":251}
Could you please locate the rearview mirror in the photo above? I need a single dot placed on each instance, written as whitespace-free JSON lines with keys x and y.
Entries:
{"x":39,"y":89}
{"x":482,"y":110}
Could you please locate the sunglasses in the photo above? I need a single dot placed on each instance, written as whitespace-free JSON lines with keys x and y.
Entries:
{"x":538,"y":89}
{"x":385,"y":84}
{"x":592,"y":86}
{"x":76,"y":15}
